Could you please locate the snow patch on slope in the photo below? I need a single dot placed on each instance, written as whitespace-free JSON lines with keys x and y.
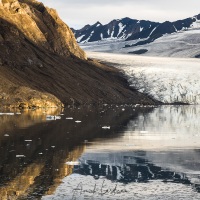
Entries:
{"x":121,"y":28}
{"x":112,"y":33}
{"x":88,"y":37}
{"x":152,"y":31}
{"x":80,"y":38}
{"x":195,"y":24}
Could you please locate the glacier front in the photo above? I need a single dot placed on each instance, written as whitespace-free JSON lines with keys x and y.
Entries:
{"x":170,"y":80}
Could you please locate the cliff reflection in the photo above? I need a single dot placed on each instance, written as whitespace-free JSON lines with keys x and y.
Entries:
{"x":23,"y":118}
{"x":33,"y":157}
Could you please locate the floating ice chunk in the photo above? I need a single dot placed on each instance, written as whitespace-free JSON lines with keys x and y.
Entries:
{"x":6,"y":135}
{"x":53,"y":147}
{"x":78,"y":121}
{"x":52,"y":117}
{"x":106,"y":127}
{"x":123,"y":109}
{"x":73,"y":163}
{"x":20,"y":156}
{"x":7,"y":113}
{"x":61,"y":114}
{"x":40,"y":153}
{"x":49,"y":117}
{"x":70,"y":118}
{"x":28,"y":140}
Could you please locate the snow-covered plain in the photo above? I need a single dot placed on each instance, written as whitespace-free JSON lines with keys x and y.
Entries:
{"x":168,"y":80}
{"x":179,"y":44}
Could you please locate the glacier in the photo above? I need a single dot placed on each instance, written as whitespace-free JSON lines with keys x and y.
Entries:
{"x":166,"y":79}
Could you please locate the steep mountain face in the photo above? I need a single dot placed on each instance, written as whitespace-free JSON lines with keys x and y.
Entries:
{"x":41,"y":25}
{"x":118,"y":29}
{"x":131,"y":29}
{"x":41,"y":64}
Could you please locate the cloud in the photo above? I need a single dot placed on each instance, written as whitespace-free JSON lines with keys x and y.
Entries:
{"x":77,"y":13}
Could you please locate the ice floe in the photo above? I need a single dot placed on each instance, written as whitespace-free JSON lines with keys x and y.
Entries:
{"x":106,"y":127}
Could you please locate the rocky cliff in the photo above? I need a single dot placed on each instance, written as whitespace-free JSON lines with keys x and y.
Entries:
{"x":41,"y":25}
{"x":41,"y":64}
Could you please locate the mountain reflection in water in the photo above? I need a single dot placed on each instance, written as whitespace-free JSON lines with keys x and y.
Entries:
{"x":141,"y":146}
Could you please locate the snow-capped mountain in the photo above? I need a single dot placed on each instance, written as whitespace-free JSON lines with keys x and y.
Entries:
{"x":116,"y":29}
{"x":132,"y":29}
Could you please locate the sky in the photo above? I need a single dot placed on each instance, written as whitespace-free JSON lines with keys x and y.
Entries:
{"x":77,"y":13}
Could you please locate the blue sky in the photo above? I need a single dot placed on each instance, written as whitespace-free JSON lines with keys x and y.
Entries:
{"x":77,"y":13}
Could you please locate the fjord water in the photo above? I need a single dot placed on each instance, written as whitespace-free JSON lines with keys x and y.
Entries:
{"x":105,"y":152}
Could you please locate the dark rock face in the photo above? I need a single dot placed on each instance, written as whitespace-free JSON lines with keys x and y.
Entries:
{"x":197,"y":56}
{"x":138,"y":52}
{"x":131,"y":29}
{"x":184,"y":24}
{"x":41,"y":64}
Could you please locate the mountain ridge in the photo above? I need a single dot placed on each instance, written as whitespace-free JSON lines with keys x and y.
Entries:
{"x":132,"y":29}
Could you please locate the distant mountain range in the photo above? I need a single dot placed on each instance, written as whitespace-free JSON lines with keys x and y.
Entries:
{"x":132,"y":29}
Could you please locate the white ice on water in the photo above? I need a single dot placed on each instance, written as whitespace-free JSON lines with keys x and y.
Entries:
{"x":52,"y":117}
{"x":73,"y":163}
{"x":7,"y":113}
{"x":106,"y":127}
{"x":166,"y":79}
{"x":70,"y":118}
{"x":20,"y":156}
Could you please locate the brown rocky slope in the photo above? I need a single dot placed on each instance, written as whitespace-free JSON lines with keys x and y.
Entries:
{"x":42,"y":65}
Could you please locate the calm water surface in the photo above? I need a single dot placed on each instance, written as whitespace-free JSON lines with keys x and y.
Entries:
{"x":107,"y":152}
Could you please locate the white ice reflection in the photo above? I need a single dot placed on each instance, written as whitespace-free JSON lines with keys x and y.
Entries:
{"x":166,"y":127}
